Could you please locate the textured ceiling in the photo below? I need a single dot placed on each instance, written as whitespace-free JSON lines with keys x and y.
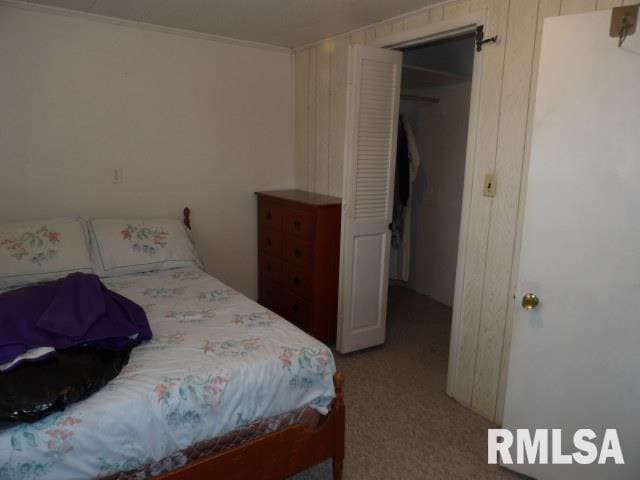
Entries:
{"x":287,"y":23}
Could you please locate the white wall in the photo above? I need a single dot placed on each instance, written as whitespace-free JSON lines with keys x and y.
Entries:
{"x":440,"y":130}
{"x":191,"y":121}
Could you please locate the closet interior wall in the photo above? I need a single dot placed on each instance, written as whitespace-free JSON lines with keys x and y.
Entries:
{"x":440,"y":130}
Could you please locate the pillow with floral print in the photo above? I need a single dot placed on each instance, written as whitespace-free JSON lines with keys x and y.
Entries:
{"x":38,"y":251}
{"x":122,"y":246}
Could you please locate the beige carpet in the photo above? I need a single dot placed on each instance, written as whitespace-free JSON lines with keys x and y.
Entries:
{"x":400,"y":422}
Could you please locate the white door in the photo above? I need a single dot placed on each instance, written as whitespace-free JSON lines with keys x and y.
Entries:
{"x":373,"y":99}
{"x":575,"y":358}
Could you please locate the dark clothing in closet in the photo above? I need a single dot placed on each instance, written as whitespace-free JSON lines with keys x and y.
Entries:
{"x":403,"y":175}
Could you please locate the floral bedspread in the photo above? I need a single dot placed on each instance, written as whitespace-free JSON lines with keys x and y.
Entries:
{"x":217,"y":361}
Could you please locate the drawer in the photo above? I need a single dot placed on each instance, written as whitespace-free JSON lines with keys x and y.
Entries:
{"x":270,"y":294}
{"x":299,"y":222}
{"x":270,"y":241}
{"x":298,"y":280}
{"x":296,"y":310}
{"x":270,"y":213}
{"x":297,"y":251}
{"x":270,"y":266}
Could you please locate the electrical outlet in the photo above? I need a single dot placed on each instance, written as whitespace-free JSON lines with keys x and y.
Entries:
{"x":117,"y":176}
{"x":490,"y":185}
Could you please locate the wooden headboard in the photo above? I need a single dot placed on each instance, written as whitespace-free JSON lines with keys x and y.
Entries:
{"x":186,"y":217}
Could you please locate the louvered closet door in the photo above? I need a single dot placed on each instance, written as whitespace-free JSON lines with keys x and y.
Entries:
{"x":370,"y":156}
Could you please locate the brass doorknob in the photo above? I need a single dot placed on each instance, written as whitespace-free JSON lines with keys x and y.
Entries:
{"x":530,"y":301}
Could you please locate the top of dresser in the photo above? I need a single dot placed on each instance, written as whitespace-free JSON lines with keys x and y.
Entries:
{"x":302,"y":196}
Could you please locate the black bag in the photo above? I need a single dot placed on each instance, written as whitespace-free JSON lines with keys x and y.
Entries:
{"x":33,"y":390}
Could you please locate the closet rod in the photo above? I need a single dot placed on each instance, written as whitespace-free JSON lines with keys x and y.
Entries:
{"x":419,"y":98}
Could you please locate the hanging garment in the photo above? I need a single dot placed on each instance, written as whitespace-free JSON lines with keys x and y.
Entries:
{"x":414,"y":165}
{"x":407,"y":164}
{"x":402,"y":189}
{"x":403,"y":178}
{"x":414,"y":156}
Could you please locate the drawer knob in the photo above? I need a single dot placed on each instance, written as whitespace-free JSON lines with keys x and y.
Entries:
{"x":269,"y":216}
{"x":297,"y":224}
{"x":297,"y":252}
{"x":269,"y":242}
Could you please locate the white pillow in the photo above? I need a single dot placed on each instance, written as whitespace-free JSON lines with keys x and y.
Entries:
{"x":42,"y":250}
{"x":124,"y":246}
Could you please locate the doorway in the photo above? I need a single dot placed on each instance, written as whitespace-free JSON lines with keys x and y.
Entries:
{"x":373,"y":107}
{"x":431,"y":155}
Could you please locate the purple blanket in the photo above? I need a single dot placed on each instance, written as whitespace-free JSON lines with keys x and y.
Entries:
{"x":74,"y":311}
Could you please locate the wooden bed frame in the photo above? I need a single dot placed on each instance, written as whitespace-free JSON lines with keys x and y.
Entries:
{"x":277,"y":455}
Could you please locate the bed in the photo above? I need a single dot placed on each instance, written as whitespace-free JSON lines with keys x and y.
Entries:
{"x":225,"y":389}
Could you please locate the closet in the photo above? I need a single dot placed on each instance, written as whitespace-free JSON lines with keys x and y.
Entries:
{"x":430,"y":166}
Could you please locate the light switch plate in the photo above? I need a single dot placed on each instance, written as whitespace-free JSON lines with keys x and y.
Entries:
{"x":489,"y":185}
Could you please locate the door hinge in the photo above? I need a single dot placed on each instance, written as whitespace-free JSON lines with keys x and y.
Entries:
{"x":480,"y":40}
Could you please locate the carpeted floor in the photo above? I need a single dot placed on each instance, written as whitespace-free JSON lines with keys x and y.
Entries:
{"x":400,"y":422}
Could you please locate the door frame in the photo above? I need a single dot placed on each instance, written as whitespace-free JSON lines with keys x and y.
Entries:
{"x":425,"y":34}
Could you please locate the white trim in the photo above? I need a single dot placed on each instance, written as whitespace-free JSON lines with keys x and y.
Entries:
{"x":428,"y":33}
{"x":141,"y":25}
{"x":402,"y":16}
{"x":432,"y":32}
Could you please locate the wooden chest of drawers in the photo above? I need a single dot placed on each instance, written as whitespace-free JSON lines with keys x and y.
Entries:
{"x":298,"y":258}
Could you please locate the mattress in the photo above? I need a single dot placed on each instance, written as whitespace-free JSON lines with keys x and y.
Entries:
{"x":306,"y":417}
{"x":218,"y":362}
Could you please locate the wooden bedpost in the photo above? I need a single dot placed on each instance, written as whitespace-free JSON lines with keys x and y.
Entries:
{"x":339,"y":410}
{"x":186,"y":217}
